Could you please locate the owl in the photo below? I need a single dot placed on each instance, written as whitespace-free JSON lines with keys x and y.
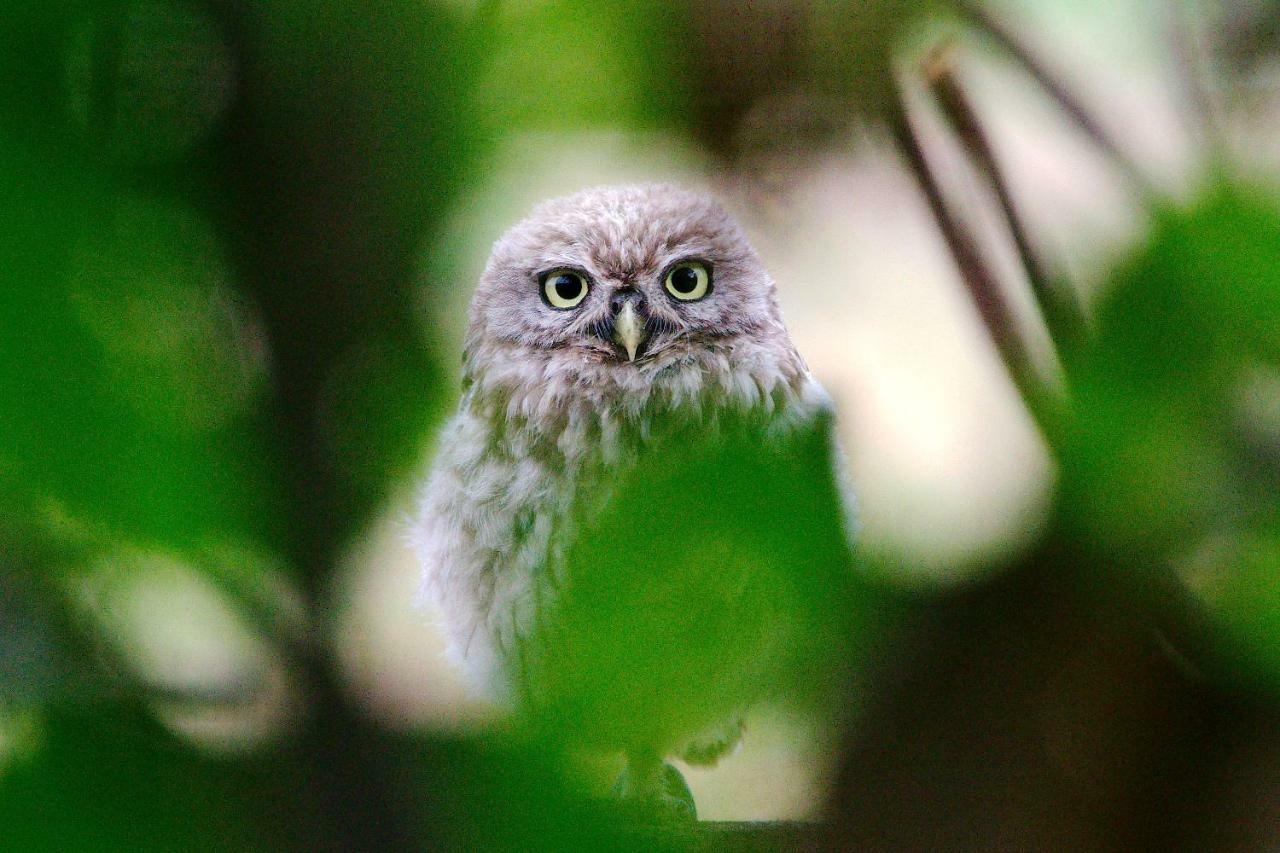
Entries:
{"x":638,"y":506}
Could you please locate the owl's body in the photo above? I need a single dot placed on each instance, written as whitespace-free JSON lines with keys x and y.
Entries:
{"x":584,"y":353}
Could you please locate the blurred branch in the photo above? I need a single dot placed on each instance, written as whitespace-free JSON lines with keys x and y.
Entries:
{"x":1193,"y":69}
{"x":1043,"y":692}
{"x":1061,"y":308}
{"x":1067,"y":100}
{"x":984,"y":289}
{"x":339,"y":180}
{"x":725,"y":835}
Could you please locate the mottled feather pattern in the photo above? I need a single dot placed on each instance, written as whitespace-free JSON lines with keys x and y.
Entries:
{"x":552,"y":414}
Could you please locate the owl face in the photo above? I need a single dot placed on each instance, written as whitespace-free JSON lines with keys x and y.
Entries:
{"x":626,"y":276}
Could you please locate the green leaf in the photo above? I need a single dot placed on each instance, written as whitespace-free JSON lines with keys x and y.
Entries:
{"x":719,"y":575}
{"x":107,"y":777}
{"x":1171,"y":464}
{"x":1153,"y":461}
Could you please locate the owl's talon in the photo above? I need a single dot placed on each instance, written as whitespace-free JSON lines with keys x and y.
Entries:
{"x":655,"y":791}
{"x":557,"y":439}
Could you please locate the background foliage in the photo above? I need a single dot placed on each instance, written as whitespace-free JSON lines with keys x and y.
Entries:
{"x":223,"y":347}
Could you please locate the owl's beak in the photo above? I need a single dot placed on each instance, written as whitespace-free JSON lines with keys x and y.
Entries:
{"x":628,"y":329}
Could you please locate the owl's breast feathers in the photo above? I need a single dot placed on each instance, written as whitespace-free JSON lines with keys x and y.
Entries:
{"x":535,"y":452}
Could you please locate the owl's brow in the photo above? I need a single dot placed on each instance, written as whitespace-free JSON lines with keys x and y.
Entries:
{"x":550,"y":263}
{"x":655,"y":264}
{"x":693,"y":239}
{"x":702,"y":249}
{"x":551,"y":249}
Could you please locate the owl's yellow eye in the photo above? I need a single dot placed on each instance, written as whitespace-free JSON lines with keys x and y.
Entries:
{"x":689,"y":281}
{"x":564,"y":288}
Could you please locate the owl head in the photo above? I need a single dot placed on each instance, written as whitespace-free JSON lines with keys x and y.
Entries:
{"x":625,"y":278}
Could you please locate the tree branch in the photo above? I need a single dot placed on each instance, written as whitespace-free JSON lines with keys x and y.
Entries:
{"x":1060,"y":305}
{"x":1059,"y":92}
{"x":993,"y":308}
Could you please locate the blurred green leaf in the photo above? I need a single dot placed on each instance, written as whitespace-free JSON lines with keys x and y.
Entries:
{"x":719,"y":575}
{"x":1242,"y":590}
{"x":106,"y":777}
{"x":1166,"y":464}
{"x":503,"y":796}
{"x":568,"y":64}
{"x":1153,"y":461}
{"x":130,"y":392}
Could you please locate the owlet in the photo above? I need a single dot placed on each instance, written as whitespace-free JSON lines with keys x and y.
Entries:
{"x":635,"y":524}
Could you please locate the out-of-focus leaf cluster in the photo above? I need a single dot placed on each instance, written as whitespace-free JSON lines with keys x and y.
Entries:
{"x":718,"y":576}
{"x":214,"y":365}
{"x":178,"y":316}
{"x":1171,"y":460}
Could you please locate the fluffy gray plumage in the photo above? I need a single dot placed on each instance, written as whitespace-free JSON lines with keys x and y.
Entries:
{"x":555,"y":408}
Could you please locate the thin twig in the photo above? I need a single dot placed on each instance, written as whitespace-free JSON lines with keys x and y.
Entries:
{"x":993,"y":308}
{"x":1194,"y":69}
{"x":1059,"y":92}
{"x":1060,"y":306}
